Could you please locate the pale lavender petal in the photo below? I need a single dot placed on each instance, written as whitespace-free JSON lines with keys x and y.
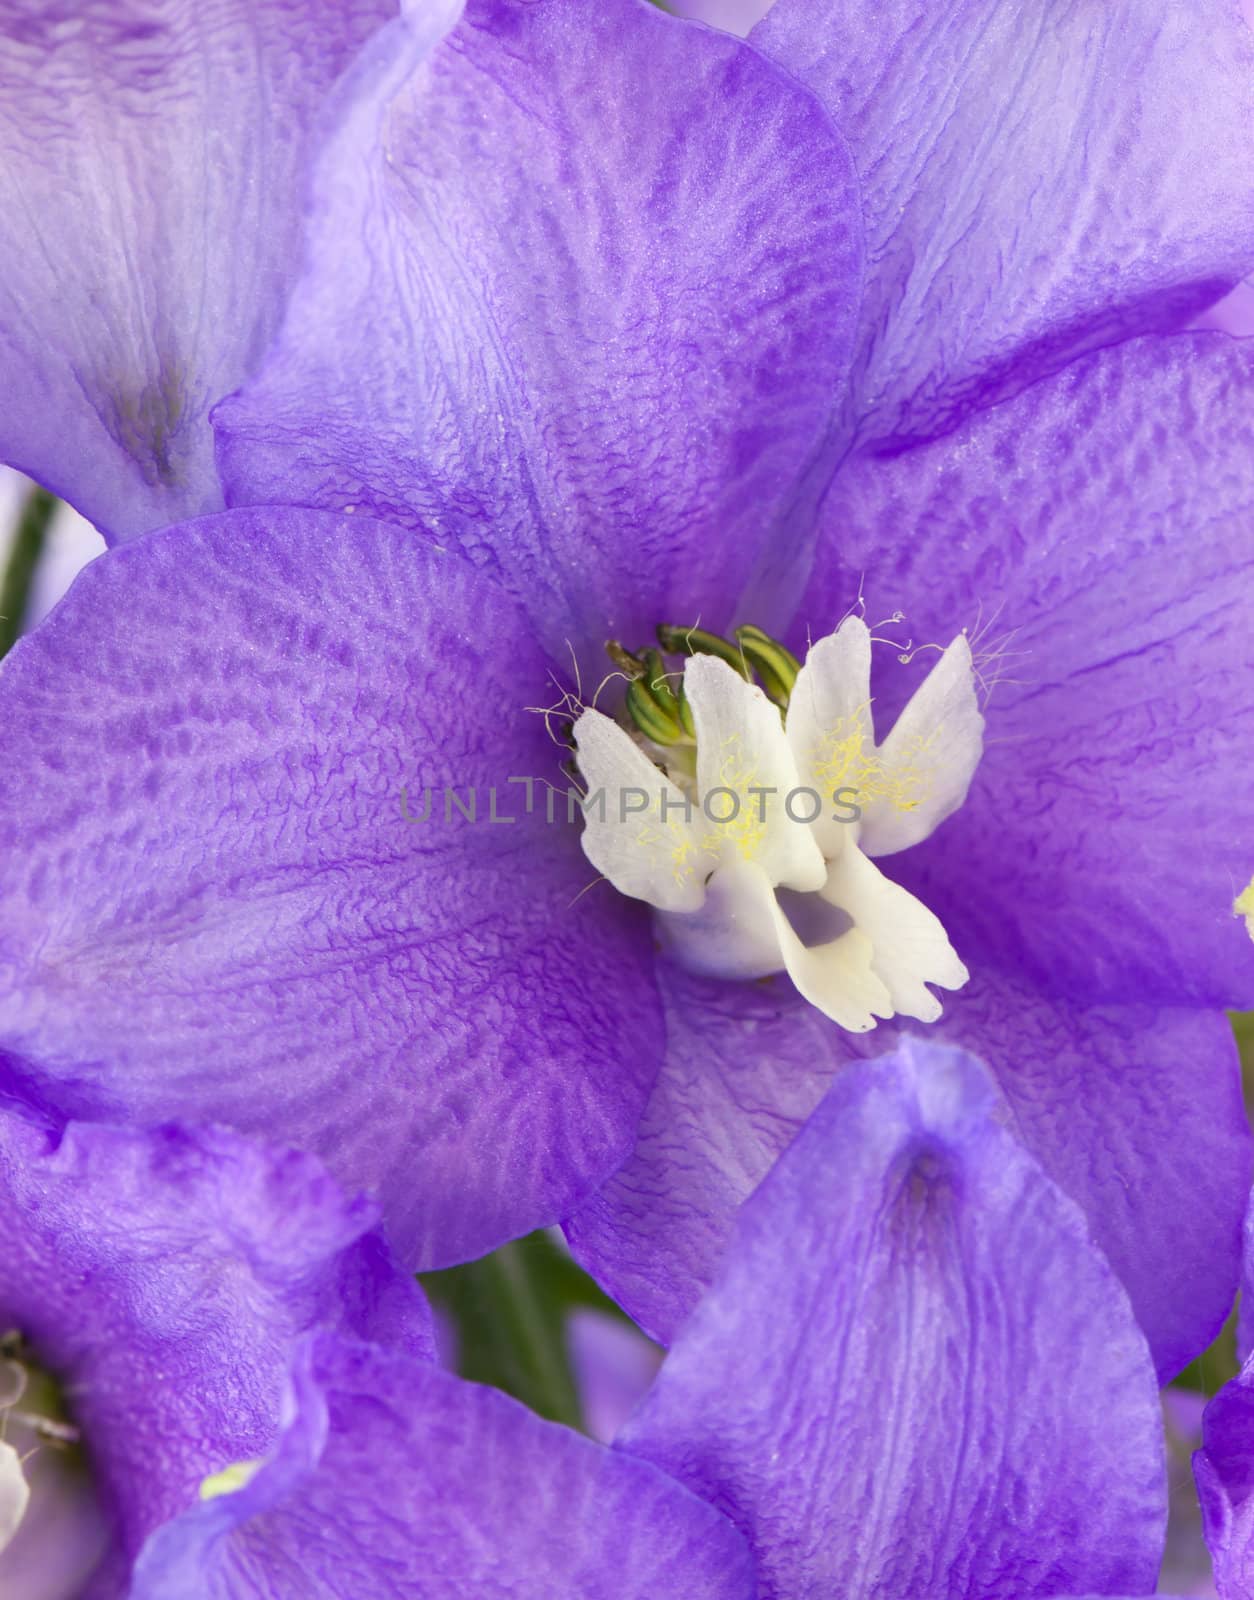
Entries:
{"x":152,"y":181}
{"x":1037,"y":181}
{"x":613,"y":1364}
{"x":395,"y":1481}
{"x":62,"y":1551}
{"x":581,"y":289}
{"x":212,"y":905}
{"x":1245,"y":1307}
{"x":732,"y":16}
{"x":914,"y":1374}
{"x":1234,"y":314}
{"x":1187,"y":1565}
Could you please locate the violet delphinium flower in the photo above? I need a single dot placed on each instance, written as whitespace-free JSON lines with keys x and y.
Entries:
{"x":221,"y":1329}
{"x":1225,"y":1481}
{"x":152,"y":178}
{"x":596,"y":362}
{"x":901,"y":1403}
{"x":395,"y":1480}
{"x":152,"y":1290}
{"x":1099,"y":950}
{"x":930,"y":1265}
{"x":482,"y":1073}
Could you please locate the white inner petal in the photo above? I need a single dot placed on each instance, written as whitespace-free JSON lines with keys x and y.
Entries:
{"x":14,"y":1493}
{"x":910,"y":944}
{"x":742,"y":932}
{"x":838,"y":977}
{"x":733,"y":935}
{"x":908,"y":785}
{"x":640,"y":835}
{"x":929,"y":758}
{"x":829,"y":722}
{"x":1243,"y":906}
{"x":745,"y":765}
{"x":855,"y":944}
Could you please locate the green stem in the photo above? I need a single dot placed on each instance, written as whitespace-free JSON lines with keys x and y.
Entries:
{"x":510,"y":1312}
{"x":554,"y":1394}
{"x":19,"y":574}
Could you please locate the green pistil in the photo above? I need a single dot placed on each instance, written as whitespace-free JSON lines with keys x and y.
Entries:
{"x":662,"y":713}
{"x":697,"y":642}
{"x":655,"y":676}
{"x":655,"y":708}
{"x":776,"y":666}
{"x":649,"y":717}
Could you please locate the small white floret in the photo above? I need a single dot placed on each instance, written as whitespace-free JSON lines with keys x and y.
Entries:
{"x":14,"y":1493}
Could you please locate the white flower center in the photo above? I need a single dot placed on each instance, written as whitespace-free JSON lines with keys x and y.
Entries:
{"x":14,"y":1493}
{"x":14,"y":1489}
{"x":52,"y":1525}
{"x":761,"y":864}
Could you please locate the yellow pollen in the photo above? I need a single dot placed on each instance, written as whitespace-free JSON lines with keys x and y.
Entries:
{"x":674,"y":830}
{"x":747,"y":829}
{"x":681,"y":855}
{"x":847,"y":759}
{"x":236,"y":1476}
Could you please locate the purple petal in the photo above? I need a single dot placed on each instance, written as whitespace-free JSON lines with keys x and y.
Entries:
{"x":163,"y":1278}
{"x":1037,"y":182}
{"x":931,"y":1265}
{"x":150,"y":204}
{"x":1134,"y":1111}
{"x":745,"y":1066}
{"x":1224,"y":1466}
{"x":395,"y":1479}
{"x":1093,"y":536}
{"x":581,"y":290}
{"x":212,"y":906}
